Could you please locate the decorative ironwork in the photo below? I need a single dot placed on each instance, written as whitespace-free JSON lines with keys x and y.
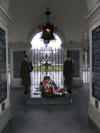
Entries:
{"x":47,"y":64}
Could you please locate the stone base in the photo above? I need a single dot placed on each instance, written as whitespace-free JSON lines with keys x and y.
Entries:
{"x":93,"y":125}
{"x":94,"y":115}
{"x":5,"y":118}
{"x":52,"y":101}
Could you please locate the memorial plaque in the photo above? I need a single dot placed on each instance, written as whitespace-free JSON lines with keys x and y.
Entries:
{"x":96,"y":63}
{"x":75,"y":55}
{"x":3,"y":75}
{"x":18,"y":57}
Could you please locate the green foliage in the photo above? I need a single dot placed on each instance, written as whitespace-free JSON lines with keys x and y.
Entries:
{"x":50,"y":68}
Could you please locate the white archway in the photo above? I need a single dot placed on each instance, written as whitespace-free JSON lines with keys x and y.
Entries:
{"x":37,"y":43}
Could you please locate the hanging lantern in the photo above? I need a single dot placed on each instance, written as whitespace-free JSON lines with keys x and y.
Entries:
{"x":48,"y":30}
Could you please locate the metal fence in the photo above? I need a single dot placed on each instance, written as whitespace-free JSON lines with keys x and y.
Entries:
{"x":46,"y":62}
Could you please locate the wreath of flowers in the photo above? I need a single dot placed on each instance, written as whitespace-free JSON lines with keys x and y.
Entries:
{"x":62,"y":90}
{"x":49,"y":89}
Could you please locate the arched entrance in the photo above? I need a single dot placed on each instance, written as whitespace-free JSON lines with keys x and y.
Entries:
{"x":46,"y":61}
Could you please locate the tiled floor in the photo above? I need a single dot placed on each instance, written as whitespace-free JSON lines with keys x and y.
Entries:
{"x":70,"y":118}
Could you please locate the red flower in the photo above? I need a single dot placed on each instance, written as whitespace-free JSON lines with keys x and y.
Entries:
{"x":48,"y":91}
{"x":62,"y":90}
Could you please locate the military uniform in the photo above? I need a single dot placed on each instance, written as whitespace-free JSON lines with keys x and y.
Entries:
{"x":68,"y":69}
{"x":26,"y":68}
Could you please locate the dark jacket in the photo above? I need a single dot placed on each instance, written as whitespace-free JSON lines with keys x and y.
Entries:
{"x":26,"y":68}
{"x":68,"y":69}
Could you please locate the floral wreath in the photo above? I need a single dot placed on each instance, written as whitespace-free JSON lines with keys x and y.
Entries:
{"x":49,"y":87}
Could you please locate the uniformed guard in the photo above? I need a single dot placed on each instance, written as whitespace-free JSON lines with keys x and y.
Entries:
{"x":68,"y":69}
{"x":26,"y":68}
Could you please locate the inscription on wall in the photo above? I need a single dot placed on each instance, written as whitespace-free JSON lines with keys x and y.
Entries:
{"x":75,"y":55}
{"x":96,"y":63}
{"x":3,"y":76}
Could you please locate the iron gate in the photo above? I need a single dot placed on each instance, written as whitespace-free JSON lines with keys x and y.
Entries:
{"x":46,"y":61}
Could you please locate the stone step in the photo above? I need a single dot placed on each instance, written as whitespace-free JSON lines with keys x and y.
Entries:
{"x":54,"y":101}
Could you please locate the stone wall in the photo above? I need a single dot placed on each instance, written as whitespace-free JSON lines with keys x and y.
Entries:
{"x":75,"y":46}
{"x":94,"y":114}
{"x":5,"y":104}
{"x":18,"y":47}
{"x":94,"y":104}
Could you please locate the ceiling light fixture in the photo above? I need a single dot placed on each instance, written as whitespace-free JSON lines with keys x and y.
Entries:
{"x":48,"y":30}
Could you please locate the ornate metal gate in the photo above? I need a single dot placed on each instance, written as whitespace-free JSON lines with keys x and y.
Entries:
{"x":46,"y":62}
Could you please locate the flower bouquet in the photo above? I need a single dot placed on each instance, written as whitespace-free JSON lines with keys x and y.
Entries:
{"x":48,"y":88}
{"x":61,"y":92}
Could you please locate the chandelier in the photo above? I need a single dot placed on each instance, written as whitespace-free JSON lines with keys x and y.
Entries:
{"x":48,"y":30}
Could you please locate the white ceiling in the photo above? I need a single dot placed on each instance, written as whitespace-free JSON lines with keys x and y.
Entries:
{"x":67,"y":15}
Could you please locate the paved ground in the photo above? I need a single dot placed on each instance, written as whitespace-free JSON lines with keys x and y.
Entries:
{"x":71,"y":118}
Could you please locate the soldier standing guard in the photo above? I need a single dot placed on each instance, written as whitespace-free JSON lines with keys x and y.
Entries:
{"x":26,"y":68}
{"x":68,"y":69}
